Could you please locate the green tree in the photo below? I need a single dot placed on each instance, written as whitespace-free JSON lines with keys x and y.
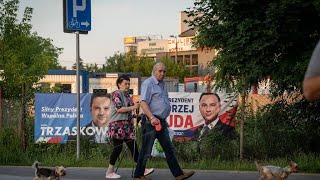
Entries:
{"x":176,"y":70}
{"x":92,"y":67}
{"x":81,"y":65}
{"x":129,"y":62}
{"x":142,"y":64}
{"x":114,"y":63}
{"x":258,"y":38}
{"x":25,"y":57}
{"x":130,"y":59}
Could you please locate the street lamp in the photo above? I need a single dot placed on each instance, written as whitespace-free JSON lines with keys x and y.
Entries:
{"x":176,"y":56}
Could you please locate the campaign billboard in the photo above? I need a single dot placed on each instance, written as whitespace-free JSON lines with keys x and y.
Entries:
{"x":186,"y":118}
{"x":55,"y":115}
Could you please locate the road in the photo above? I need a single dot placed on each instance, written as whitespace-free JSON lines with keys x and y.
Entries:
{"x":23,"y":172}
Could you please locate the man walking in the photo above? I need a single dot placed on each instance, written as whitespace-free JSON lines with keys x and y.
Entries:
{"x":155,"y":104}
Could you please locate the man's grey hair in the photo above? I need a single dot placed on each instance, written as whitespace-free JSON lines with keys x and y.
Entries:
{"x":155,"y":67}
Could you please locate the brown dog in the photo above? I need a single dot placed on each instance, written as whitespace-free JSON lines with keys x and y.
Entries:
{"x":275,"y":171}
{"x":51,"y":174}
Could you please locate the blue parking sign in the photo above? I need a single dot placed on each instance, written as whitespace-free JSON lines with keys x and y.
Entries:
{"x":78,"y":15}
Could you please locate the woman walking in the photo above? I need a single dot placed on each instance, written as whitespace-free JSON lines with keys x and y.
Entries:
{"x":121,"y":127}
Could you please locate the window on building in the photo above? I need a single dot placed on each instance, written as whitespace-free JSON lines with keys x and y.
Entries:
{"x":187,"y":60}
{"x":180,"y":59}
{"x":194,"y":59}
{"x":194,"y":70}
{"x":195,"y":87}
{"x":66,"y":88}
{"x":100,"y":75}
{"x":100,"y":91}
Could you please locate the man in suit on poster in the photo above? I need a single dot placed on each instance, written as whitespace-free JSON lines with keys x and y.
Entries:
{"x":210,"y":106}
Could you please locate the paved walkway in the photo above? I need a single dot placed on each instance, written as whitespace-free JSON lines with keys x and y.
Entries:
{"x":23,"y":172}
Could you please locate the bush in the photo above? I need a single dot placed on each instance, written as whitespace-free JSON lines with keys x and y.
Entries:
{"x":10,"y":149}
{"x":283,"y":129}
{"x":214,"y":145}
{"x":186,"y":150}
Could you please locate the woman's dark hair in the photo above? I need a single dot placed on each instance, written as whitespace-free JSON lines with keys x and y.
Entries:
{"x":121,"y":79}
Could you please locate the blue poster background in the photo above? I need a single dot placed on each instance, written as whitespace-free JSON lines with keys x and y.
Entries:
{"x":56,"y":115}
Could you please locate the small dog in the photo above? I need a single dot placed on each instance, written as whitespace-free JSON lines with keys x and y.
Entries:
{"x":275,"y":171}
{"x":50,"y":174}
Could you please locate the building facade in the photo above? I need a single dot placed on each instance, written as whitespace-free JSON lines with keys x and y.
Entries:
{"x":179,"y":48}
{"x":91,"y":82}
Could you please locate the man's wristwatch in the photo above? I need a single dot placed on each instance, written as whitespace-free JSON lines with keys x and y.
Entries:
{"x":151,"y":117}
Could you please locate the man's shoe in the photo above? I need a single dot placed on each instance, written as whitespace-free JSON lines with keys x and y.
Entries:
{"x":148,"y":171}
{"x":185,"y":175}
{"x":142,"y":178}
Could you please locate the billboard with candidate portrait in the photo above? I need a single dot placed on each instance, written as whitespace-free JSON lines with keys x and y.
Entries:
{"x":56,"y":114}
{"x":186,"y":119}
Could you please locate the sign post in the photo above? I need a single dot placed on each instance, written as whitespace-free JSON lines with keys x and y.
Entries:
{"x":77,"y":18}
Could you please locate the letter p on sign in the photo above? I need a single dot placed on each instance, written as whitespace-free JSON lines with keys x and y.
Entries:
{"x":78,"y":8}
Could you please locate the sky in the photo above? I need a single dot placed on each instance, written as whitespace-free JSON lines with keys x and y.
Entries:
{"x":111,"y":21}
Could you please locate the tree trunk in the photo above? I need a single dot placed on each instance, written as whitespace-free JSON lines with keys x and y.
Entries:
{"x":243,"y":105}
{"x":23,"y":117}
{"x":1,"y":120}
